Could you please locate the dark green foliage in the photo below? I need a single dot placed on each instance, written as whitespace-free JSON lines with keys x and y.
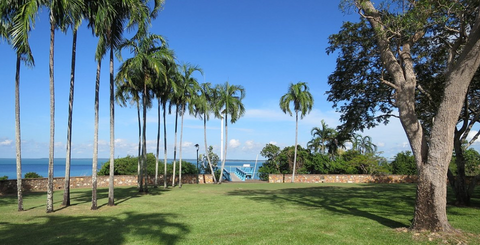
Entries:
{"x":32,"y":175}
{"x":214,"y":159}
{"x":404,"y":163}
{"x":4,"y":177}
{"x":350,"y":162}
{"x":129,"y":165}
{"x":472,"y":163}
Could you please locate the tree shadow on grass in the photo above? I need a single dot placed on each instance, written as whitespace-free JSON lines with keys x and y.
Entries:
{"x":380,"y":203}
{"x":124,"y":228}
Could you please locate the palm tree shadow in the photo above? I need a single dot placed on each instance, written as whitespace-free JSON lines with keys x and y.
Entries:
{"x":378,"y":203}
{"x":125,"y":228}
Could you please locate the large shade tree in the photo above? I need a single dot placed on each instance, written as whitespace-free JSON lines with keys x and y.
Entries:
{"x":376,"y":74}
{"x":299,"y":95}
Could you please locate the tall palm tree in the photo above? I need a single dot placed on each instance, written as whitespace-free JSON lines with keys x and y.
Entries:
{"x":126,"y":93}
{"x":146,"y":50}
{"x":107,"y":22}
{"x":229,"y":103}
{"x":187,"y":91}
{"x":162,"y":89}
{"x":60,"y":18}
{"x":16,"y":21}
{"x":76,"y":11}
{"x":363,"y":144}
{"x":203,"y":108}
{"x":302,"y":100}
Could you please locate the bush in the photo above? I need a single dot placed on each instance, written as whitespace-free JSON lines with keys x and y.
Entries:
{"x":4,"y":177}
{"x":404,"y":164}
{"x":129,"y":166}
{"x":32,"y":175}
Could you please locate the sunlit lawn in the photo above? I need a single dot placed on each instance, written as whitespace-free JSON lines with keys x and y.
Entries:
{"x":231,"y":214}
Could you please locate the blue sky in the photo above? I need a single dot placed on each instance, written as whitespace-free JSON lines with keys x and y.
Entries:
{"x":261,"y":45}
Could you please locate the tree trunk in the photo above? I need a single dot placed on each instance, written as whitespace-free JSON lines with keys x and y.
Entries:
{"x":18,"y":138}
{"x":144,"y":136}
{"x":225,"y":150}
{"x":175,"y":147}
{"x":180,"y":155}
{"x":295,"y":154}
{"x":139,"y":165}
{"x":95,"y":139}
{"x":462,"y":197}
{"x":165,"y":144}
{"x":66,"y":188}
{"x":206,"y":147}
{"x":158,"y":146}
{"x":111,"y":198}
{"x":52,"y":119}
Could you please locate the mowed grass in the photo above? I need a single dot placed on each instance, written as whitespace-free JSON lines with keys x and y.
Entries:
{"x":232,"y":214}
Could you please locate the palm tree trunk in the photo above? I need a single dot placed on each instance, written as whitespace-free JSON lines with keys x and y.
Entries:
{"x":139,"y":173}
{"x":66,"y":188}
{"x":165,"y":144}
{"x":295,"y":155}
{"x":95,"y":139}
{"x":52,"y":119}
{"x":144,"y":136}
{"x":111,"y":198}
{"x":18,"y":138}
{"x":175,"y":147}
{"x":180,"y":160}
{"x":158,"y":146}
{"x":225,"y":150}
{"x":206,"y":146}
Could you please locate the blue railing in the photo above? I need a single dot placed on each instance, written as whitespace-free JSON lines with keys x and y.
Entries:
{"x":226,"y":175}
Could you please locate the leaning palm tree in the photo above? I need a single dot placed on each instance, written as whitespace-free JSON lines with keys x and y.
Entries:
{"x":302,"y":100}
{"x":203,"y":108}
{"x":229,"y":103}
{"x":186,"y":93}
{"x":146,"y":50}
{"x":15,"y":24}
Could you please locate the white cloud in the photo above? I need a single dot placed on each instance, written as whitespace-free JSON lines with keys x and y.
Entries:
{"x":234,"y":143}
{"x":6,"y":142}
{"x":187,"y":144}
{"x":273,"y":142}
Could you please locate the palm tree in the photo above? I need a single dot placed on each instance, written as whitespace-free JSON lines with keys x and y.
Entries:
{"x":203,"y":106}
{"x":321,"y":136}
{"x":162,"y":89}
{"x":60,"y":17}
{"x":76,"y":10}
{"x":107,"y":21}
{"x":16,"y":21}
{"x":126,"y":93}
{"x":363,"y":144}
{"x":229,"y":103}
{"x":145,"y":61}
{"x":302,"y":100}
{"x":186,"y":93}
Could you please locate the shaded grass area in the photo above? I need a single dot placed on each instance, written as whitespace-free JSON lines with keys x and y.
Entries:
{"x":231,"y":214}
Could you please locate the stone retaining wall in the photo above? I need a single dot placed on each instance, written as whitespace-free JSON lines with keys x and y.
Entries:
{"x":341,"y":178}
{"x":40,"y":184}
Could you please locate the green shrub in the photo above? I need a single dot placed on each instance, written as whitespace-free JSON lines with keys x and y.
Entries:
{"x":32,"y":175}
{"x":4,"y":177}
{"x":129,"y":166}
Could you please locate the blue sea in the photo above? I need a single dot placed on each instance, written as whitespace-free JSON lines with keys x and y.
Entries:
{"x":82,"y":166}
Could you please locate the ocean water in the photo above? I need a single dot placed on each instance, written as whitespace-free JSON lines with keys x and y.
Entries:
{"x":82,"y":166}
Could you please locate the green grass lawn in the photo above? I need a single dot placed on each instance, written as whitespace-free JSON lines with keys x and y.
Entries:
{"x":232,"y":214}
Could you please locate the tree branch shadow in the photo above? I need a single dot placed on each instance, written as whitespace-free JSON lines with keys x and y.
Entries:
{"x":372,"y":201}
{"x":124,"y":228}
